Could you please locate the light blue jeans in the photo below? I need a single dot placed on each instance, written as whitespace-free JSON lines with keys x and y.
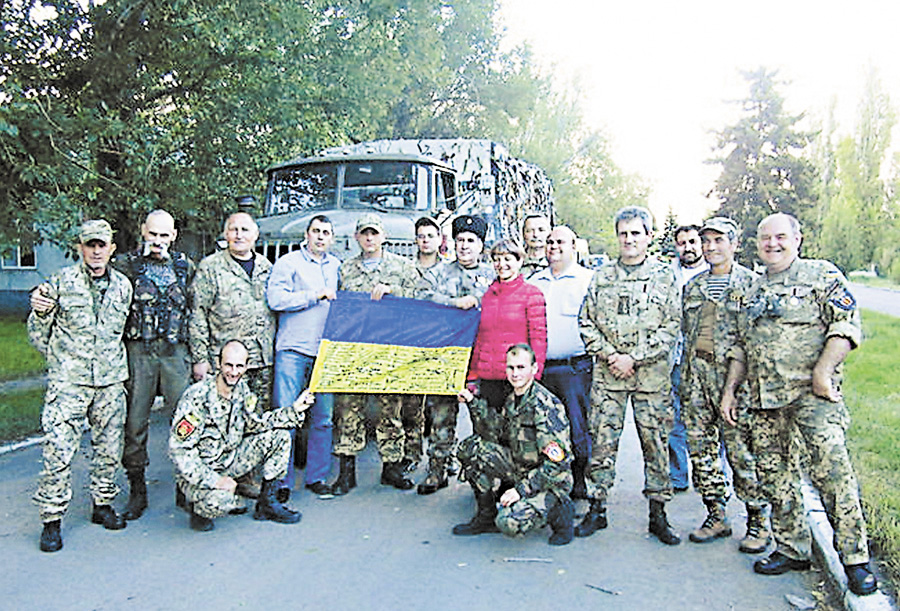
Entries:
{"x":292,"y":373}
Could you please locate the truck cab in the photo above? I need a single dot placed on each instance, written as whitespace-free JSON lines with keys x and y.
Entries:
{"x":401,"y":188}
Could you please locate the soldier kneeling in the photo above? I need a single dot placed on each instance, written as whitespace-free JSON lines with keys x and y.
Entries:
{"x":526,"y":447}
{"x":218,"y":435}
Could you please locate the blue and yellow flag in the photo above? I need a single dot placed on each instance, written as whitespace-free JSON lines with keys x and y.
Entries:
{"x":395,"y":345}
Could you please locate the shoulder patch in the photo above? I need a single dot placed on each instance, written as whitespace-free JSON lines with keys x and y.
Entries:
{"x":843,"y":299}
{"x":186,"y":426}
{"x":554,"y":452}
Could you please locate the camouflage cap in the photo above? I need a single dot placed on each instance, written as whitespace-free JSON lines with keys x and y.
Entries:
{"x":370,"y":220}
{"x":96,"y":230}
{"x":472,"y":224}
{"x":722,"y":225}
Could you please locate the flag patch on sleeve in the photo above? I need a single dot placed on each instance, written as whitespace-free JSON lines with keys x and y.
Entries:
{"x":186,"y":427}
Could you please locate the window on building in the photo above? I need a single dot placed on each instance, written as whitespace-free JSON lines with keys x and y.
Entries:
{"x":20,"y":256}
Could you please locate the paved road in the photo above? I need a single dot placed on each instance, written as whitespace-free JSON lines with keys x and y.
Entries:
{"x":376,"y":548}
{"x":885,"y":301}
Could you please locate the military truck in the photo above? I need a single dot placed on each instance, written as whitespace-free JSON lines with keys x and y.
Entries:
{"x":401,"y":180}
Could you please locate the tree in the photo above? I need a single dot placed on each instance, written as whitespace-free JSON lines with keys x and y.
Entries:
{"x":763,"y":169}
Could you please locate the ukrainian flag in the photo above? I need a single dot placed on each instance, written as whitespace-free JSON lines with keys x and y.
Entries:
{"x":395,"y":345}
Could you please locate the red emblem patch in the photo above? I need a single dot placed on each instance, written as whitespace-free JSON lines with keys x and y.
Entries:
{"x":184,"y":428}
{"x":554,"y":452}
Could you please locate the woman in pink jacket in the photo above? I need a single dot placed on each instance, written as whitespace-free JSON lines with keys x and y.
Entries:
{"x":512,"y":312}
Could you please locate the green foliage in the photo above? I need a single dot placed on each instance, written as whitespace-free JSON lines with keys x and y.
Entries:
{"x":113,"y":109}
{"x":874,"y":435}
{"x":20,"y":414}
{"x":17,"y":357}
{"x":763,"y":169}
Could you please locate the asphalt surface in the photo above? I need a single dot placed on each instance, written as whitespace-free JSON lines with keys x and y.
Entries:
{"x":376,"y":548}
{"x":885,"y":301}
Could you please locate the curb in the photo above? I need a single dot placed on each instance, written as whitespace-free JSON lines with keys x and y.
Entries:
{"x":822,"y":536}
{"x":19,"y":445}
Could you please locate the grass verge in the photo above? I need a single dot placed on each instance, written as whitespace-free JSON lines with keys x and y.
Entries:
{"x":873,"y":398}
{"x":18,"y":359}
{"x":20,"y":414}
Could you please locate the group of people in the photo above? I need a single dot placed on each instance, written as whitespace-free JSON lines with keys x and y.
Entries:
{"x":750,"y":363}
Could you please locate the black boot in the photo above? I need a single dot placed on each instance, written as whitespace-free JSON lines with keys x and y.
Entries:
{"x":579,"y":489}
{"x":51,"y":539}
{"x":137,"y":495}
{"x":268,"y":507}
{"x":594,"y":520}
{"x":180,"y":500}
{"x":562,"y":521}
{"x":659,"y":524}
{"x":201,"y":524}
{"x":483,"y":522}
{"x":436,"y":478}
{"x":346,"y":479}
{"x":392,"y":475}
{"x":107,"y":516}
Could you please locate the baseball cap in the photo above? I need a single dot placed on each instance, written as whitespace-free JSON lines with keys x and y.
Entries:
{"x":96,"y":230}
{"x":370,"y":220}
{"x":722,"y":225}
{"x":427,"y":220}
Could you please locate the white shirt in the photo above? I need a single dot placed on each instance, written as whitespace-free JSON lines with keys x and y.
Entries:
{"x":564,"y":295}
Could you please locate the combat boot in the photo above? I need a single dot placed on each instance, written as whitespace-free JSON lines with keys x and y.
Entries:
{"x":346,"y":479}
{"x":436,"y":478}
{"x":200,"y":523}
{"x":107,"y":516}
{"x":715,"y":526}
{"x":758,"y":536}
{"x":659,"y":524}
{"x":51,"y":539}
{"x":562,"y":521}
{"x":137,"y":495}
{"x":594,"y":520}
{"x":392,"y":475}
{"x":269,"y":508}
{"x":483,"y":522}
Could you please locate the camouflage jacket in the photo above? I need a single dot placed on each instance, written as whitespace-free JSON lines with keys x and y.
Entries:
{"x":207,"y":429}
{"x":727,"y":309}
{"x":533,"y":265}
{"x":536,"y":431}
{"x":160,"y":308}
{"x":82,"y":347}
{"x":226,"y":304}
{"x":449,"y":280}
{"x":392,"y":270}
{"x":788,"y":318}
{"x":636,"y":314}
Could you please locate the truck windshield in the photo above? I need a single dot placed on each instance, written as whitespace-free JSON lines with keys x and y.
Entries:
{"x":380,"y":185}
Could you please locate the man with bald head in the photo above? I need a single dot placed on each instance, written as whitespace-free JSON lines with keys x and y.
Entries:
{"x":156,"y":338}
{"x":568,"y":369}
{"x":229,"y":302}
{"x":799,"y":323}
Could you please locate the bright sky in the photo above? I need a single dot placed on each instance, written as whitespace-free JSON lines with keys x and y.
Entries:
{"x":656,"y":75}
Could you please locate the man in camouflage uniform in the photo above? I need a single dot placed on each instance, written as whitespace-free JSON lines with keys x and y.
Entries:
{"x":379,"y":273}
{"x":77,"y":322}
{"x":428,"y":243}
{"x":711,"y":305}
{"x":799,"y":324}
{"x":219,"y":434}
{"x":228,"y":301}
{"x":460,"y":284}
{"x":527,"y":448}
{"x":629,"y":322}
{"x":535,"y":230}
{"x":155,"y":340}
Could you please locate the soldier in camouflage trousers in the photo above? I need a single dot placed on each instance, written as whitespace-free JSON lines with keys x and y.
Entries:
{"x":629,"y":323}
{"x":219,"y":434}
{"x":379,"y":273}
{"x":526,"y":447}
{"x":77,"y":320}
{"x":711,"y":304}
{"x":460,"y":284}
{"x":800,"y":322}
{"x":228,"y":301}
